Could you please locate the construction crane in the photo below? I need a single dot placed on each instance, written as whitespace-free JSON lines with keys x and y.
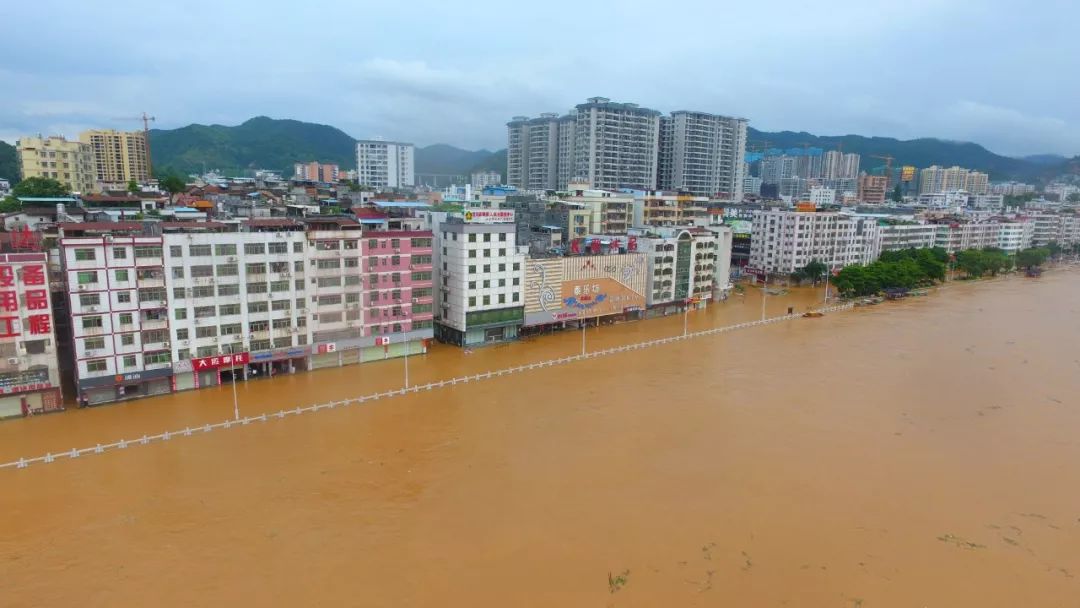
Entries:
{"x":888,"y":168}
{"x":146,"y":120}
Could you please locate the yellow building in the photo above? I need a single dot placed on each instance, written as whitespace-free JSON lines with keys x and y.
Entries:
{"x":674,"y":209}
{"x":119,"y":156}
{"x":69,"y":162}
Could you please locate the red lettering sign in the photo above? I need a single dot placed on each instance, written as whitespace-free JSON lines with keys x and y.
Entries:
{"x":33,"y":275}
{"x":7,"y":276}
{"x":40,"y":324}
{"x":37,"y":299}
{"x":9,"y":301}
{"x":203,"y":363}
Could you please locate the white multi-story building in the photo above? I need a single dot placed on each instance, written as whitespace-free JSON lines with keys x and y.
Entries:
{"x":616,"y":144}
{"x":479,"y":278}
{"x":958,"y":236}
{"x":1014,"y":236}
{"x":29,"y":370}
{"x":483,"y":179}
{"x":784,"y":241}
{"x":702,"y":153}
{"x":951,"y":200}
{"x":906,"y":236}
{"x":385,"y":164}
{"x":989,"y":202}
{"x":681,"y":264}
{"x":822,"y":197}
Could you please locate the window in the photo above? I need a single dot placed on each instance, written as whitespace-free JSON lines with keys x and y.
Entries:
{"x":472,"y":253}
{"x":421,"y":276}
{"x":121,"y":276}
{"x":145,"y":251}
{"x":517,"y":266}
{"x":502,"y":282}
{"x":502,"y":237}
{"x":281,"y":323}
{"x":176,"y":251}
{"x":487,"y":283}
{"x":278,"y":247}
{"x":204,"y":291}
{"x":487,"y":267}
{"x":423,"y":292}
{"x":280,"y":304}
{"x":502,"y":267}
{"x":472,"y":238}
{"x":155,"y":336}
{"x":334,"y":245}
{"x":487,"y":253}
{"x":94,"y":343}
{"x":395,"y":243}
{"x":472,"y":269}
{"x":203,"y":312}
{"x":487,"y":300}
{"x":97,"y":365}
{"x":119,"y":253}
{"x":298,"y":247}
{"x":206,"y":351}
{"x":231,"y":329}
{"x":329,"y":281}
{"x":228,"y":290}
{"x":472,"y":300}
{"x":298,"y":284}
{"x":298,"y":266}
{"x":256,"y":287}
{"x":502,"y":251}
{"x":517,"y":281}
{"x":330,"y":300}
{"x":351,"y":244}
{"x":418,"y":308}
{"x":328,"y":264}
{"x":127,"y":339}
{"x":92,"y":323}
{"x":256,"y":307}
{"x":225,"y":249}
{"x":487,"y":237}
{"x":228,"y":309}
{"x":206,"y":332}
{"x":279,"y":267}
{"x":421,"y":259}
{"x":421,"y":324}
{"x":279,"y":286}
{"x":472,"y":284}
{"x":123,"y":297}
{"x":502,"y":298}
{"x":372,"y":243}
{"x":202,"y":272}
{"x":182,"y":334}
{"x":178,"y":272}
{"x":84,"y":255}
{"x":515,"y":297}
{"x":352,"y":279}
{"x":352,"y":298}
{"x":183,"y":354}
{"x":125,"y":319}
{"x":159,"y":357}
{"x":89,"y":299}
{"x":396,"y":277}
{"x":254,"y":248}
{"x":227,"y":270}
{"x":421,"y":243}
{"x":86,"y":277}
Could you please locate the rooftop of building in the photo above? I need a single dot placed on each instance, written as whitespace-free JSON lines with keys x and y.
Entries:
{"x":78,"y":228}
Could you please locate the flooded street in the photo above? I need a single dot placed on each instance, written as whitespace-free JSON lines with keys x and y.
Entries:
{"x":922,"y":453}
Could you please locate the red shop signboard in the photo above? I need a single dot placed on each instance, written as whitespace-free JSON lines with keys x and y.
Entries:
{"x":205,"y":363}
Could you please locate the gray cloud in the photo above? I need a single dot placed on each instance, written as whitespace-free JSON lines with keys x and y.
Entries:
{"x":441,"y":72}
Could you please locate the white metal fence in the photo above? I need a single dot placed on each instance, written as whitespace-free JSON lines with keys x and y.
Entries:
{"x":296,"y":411}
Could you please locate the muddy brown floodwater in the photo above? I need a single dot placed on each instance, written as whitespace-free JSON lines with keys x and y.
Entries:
{"x":923,"y":453}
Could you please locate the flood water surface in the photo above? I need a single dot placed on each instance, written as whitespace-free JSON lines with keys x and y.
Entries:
{"x":923,"y":453}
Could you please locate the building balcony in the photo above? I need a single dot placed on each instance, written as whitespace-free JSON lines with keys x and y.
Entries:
{"x":424,"y":266}
{"x":281,"y":332}
{"x":161,"y":365}
{"x":151,"y":282}
{"x":153,"y":304}
{"x":149,"y":262}
{"x":159,"y":345}
{"x":262,"y":334}
{"x":146,"y":324}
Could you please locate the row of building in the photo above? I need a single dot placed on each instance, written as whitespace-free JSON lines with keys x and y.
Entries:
{"x":97,"y":160}
{"x":609,"y":145}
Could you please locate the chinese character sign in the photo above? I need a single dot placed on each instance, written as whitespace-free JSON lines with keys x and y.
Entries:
{"x":39,"y":324}
{"x":7,"y":276}
{"x":207,"y":363}
{"x":37,"y":299}
{"x":9,"y":301}
{"x":33,"y":275}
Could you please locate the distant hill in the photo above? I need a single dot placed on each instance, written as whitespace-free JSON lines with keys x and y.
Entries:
{"x":918,"y":152}
{"x":259,"y":143}
{"x":276,"y":144}
{"x":9,"y":163}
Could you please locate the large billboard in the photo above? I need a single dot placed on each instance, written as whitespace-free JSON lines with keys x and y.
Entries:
{"x":907,"y":173}
{"x":583,"y":287}
{"x":489,"y":216}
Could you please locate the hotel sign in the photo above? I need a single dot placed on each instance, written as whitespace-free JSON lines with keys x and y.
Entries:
{"x":29,"y":380}
{"x":208,"y":363}
{"x":489,"y":216}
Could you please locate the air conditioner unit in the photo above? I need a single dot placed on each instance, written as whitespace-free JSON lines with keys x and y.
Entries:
{"x":108,"y":238}
{"x":168,"y":344}
{"x":231,"y":258}
{"x":13,"y":360}
{"x":82,"y":287}
{"x":185,"y":342}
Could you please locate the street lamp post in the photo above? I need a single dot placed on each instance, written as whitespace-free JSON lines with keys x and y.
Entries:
{"x":764,"y":294}
{"x":583,"y":337}
{"x":235,"y":402}
{"x":405,"y":339}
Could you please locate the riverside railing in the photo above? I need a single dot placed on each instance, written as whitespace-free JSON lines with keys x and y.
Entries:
{"x":419,"y":388}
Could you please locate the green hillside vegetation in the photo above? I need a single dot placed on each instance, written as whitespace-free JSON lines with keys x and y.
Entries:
{"x":259,"y":143}
{"x":9,"y":163}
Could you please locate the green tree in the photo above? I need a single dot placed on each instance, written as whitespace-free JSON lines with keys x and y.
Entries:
{"x":173,"y":184}
{"x":10,"y":204}
{"x":897,"y":194}
{"x":132,"y":186}
{"x":1074,"y":197}
{"x":1030,"y":258}
{"x":39,"y":187}
{"x":1054,"y":248}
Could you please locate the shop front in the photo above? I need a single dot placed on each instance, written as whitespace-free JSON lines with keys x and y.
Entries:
{"x":28,"y":392}
{"x":212,"y":371}
{"x":94,"y":391}
{"x":270,"y":363}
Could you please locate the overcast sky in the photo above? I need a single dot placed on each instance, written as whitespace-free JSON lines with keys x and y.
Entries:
{"x":1001,"y":73}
